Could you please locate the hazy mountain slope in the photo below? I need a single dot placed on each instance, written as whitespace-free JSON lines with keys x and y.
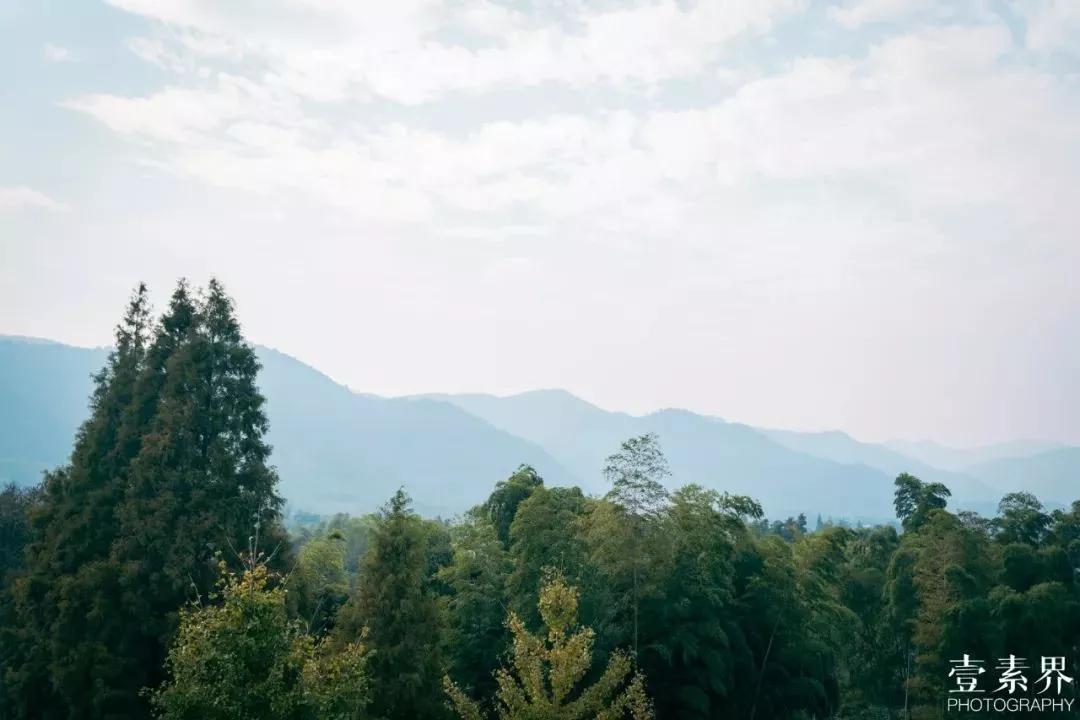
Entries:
{"x":950,"y":458}
{"x":576,"y":432}
{"x":701,"y":449}
{"x":335,"y":450}
{"x":338,"y":450}
{"x":841,"y":447}
{"x":1053,"y":476}
{"x":44,"y":391}
{"x":786,"y":470}
{"x":737,"y":458}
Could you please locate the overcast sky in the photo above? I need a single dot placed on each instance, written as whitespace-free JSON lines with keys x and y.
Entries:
{"x":862,"y":215}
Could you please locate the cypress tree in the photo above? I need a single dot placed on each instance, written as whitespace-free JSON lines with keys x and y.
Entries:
{"x":64,"y":601}
{"x":200,"y":487}
{"x":400,"y":615}
{"x":169,"y":471}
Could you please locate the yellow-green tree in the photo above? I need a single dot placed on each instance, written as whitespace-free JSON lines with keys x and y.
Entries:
{"x":238,"y":656}
{"x":542,"y":682}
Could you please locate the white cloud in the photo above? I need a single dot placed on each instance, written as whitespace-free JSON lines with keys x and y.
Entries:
{"x":927,"y":118}
{"x":181,"y":114}
{"x":13,"y":199}
{"x":856,"y":13}
{"x":699,"y":191}
{"x":57,"y":54}
{"x":333,"y":51}
{"x":1052,"y":25}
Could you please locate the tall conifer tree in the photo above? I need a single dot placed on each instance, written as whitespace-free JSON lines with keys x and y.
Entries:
{"x":170,"y":469}
{"x":401,"y":617}
{"x":66,"y":598}
{"x":200,"y":485}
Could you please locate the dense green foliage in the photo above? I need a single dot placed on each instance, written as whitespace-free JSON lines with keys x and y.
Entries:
{"x":150,"y":575}
{"x":244,"y":659}
{"x":396,"y":610}
{"x":169,"y":469}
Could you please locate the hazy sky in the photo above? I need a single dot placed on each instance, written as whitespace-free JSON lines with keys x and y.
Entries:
{"x":863,"y":215}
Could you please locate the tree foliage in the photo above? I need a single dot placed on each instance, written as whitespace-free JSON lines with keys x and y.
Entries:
{"x":128,"y":585}
{"x":170,"y":468}
{"x":238,"y":656}
{"x":544,"y":680}
{"x":397,"y":612}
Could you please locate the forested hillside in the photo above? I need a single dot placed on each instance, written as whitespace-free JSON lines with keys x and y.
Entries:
{"x":152,"y":575}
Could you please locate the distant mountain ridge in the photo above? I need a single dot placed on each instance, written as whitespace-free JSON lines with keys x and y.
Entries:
{"x":341,"y":451}
{"x":573,"y":430}
{"x":335,"y":450}
{"x":967,"y":488}
{"x":1050,"y":474}
{"x":950,"y":458}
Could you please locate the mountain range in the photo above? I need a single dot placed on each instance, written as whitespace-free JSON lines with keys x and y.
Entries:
{"x":337,"y":450}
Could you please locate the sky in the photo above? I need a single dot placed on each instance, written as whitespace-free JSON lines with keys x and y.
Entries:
{"x":861,"y":215}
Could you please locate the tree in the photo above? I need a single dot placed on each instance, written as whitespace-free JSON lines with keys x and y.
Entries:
{"x":914,"y":499}
{"x":636,"y":474}
{"x":691,"y":645}
{"x":355,"y":534}
{"x":547,"y":670}
{"x":201,"y":480}
{"x":939,"y":579}
{"x":1021,"y":520}
{"x":501,"y":506}
{"x":15,"y":506}
{"x":243,"y":659}
{"x":476,"y":604}
{"x":400,"y":616}
{"x":321,"y":579}
{"x":545,"y":534}
{"x":785,"y":603}
{"x":871,"y":658}
{"x":62,"y":655}
{"x":170,"y":467}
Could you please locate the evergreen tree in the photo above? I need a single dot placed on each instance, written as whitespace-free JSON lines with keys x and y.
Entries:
{"x":16,"y":505}
{"x":170,"y":466}
{"x":400,"y":616}
{"x":62,"y":660}
{"x":200,"y":484}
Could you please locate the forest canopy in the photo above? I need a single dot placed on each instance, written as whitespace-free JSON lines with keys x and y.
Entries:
{"x":153,"y":575}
